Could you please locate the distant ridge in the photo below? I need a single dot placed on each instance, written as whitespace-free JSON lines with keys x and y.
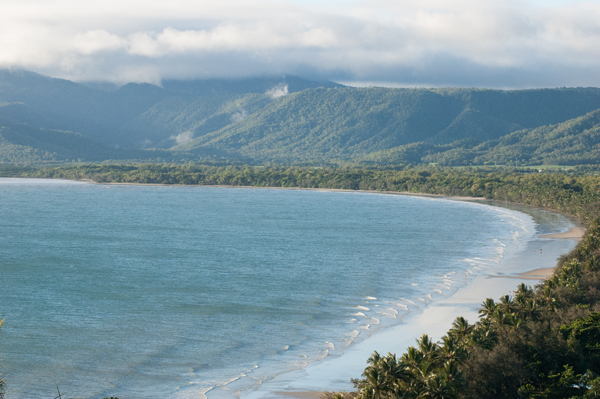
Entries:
{"x":288,"y":119}
{"x":351,"y":124}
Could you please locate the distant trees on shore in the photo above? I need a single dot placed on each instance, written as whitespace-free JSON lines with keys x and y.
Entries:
{"x":574,"y":193}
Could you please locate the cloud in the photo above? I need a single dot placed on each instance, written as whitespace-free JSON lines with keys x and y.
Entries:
{"x":239,"y":116}
{"x":278,"y":91}
{"x":464,"y":42}
{"x":184,"y":137}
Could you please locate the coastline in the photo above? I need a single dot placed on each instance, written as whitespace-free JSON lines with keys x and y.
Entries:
{"x":524,"y":266}
{"x":433,"y":319}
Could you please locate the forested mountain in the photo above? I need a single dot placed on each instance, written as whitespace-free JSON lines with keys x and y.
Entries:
{"x":133,"y":116}
{"x":349,"y":123}
{"x":293,"y":120}
{"x":20,"y":141}
{"x":574,"y":142}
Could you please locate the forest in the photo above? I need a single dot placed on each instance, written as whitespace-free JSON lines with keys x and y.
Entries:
{"x":288,"y":120}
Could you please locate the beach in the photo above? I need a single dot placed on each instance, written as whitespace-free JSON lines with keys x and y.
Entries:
{"x":529,"y":265}
{"x":547,"y":235}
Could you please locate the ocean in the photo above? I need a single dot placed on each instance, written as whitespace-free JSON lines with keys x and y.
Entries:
{"x":172,"y":292}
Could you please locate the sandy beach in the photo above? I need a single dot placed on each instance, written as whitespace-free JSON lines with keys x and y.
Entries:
{"x":533,"y":263}
{"x":574,"y":233}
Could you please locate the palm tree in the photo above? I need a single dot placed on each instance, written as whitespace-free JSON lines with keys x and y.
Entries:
{"x":593,"y":263}
{"x":488,"y":308}
{"x":451,"y":350}
{"x":507,"y":304}
{"x":509,"y":319}
{"x":548,"y":297}
{"x":374,"y":358}
{"x":437,"y":386}
{"x":484,"y":334}
{"x":374,"y":384}
{"x":412,"y":358}
{"x":524,"y":290}
{"x":530,"y":309}
{"x":461,"y":329}
{"x":394,"y":374}
{"x":427,"y":347}
{"x":384,"y":377}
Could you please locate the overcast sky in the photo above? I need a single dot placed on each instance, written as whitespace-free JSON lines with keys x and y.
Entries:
{"x":479,"y":43}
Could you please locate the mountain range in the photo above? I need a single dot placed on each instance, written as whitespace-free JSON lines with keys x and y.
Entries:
{"x":290,"y":120}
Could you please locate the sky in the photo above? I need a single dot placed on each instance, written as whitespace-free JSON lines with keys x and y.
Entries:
{"x":396,"y":43}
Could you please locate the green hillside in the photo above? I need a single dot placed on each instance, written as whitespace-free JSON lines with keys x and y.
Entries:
{"x":574,"y":142}
{"x":177,"y":119}
{"x":138,"y":116}
{"x":290,"y":120}
{"x":350,"y":123}
{"x":24,"y":144}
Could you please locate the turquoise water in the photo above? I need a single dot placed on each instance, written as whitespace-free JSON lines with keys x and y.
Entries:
{"x":156,"y":292}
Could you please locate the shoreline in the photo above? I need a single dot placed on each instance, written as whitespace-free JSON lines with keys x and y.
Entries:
{"x":433,"y":319}
{"x":333,"y":190}
{"x":573,"y":218}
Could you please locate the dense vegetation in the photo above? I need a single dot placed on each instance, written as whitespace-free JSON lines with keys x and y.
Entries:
{"x":574,"y":142}
{"x":358,"y":124}
{"x":137,"y":116}
{"x":289,"y":120}
{"x":540,"y":343}
{"x":576,"y":194}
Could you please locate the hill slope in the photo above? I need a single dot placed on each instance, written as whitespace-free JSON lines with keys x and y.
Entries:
{"x":350,"y":123}
{"x":574,"y":142}
{"x":125,"y":117}
{"x":293,"y":120}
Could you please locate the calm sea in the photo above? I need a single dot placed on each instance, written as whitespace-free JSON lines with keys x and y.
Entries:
{"x":157,"y":292}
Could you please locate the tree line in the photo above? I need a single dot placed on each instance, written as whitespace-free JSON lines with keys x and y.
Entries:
{"x":575,"y":192}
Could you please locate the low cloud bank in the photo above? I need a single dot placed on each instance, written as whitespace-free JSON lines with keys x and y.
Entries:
{"x":489,"y":43}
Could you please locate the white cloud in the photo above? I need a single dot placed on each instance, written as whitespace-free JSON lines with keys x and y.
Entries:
{"x":239,"y":116}
{"x":94,"y":41}
{"x":184,"y":137}
{"x":278,"y":91}
{"x":373,"y":40}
